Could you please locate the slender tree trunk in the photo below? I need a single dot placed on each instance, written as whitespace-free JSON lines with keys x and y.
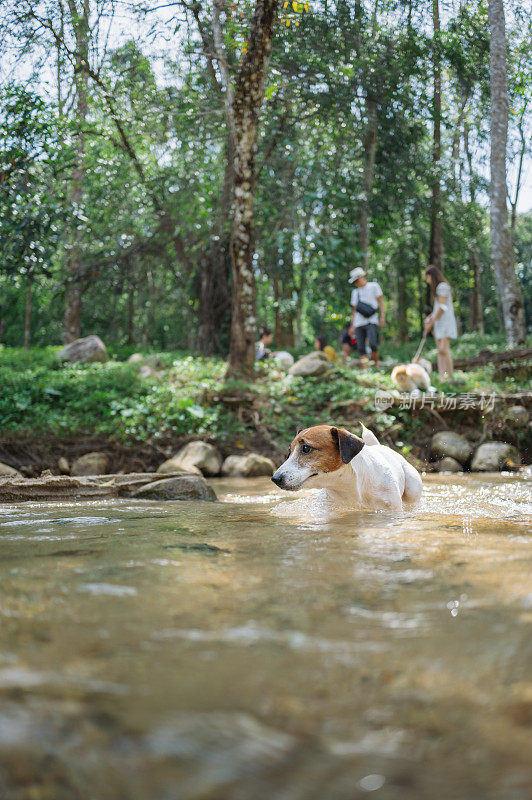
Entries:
{"x":27,"y":315}
{"x":502,"y":255}
{"x":130,"y":306}
{"x":436,"y":240}
{"x":370,"y":149}
{"x":402,"y":304}
{"x":214,"y":268}
{"x":477,"y":299}
{"x":421,"y":302}
{"x":247,"y":103}
{"x":73,"y":294}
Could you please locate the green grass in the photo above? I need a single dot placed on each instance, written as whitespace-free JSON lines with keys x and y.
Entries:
{"x":39,"y":397}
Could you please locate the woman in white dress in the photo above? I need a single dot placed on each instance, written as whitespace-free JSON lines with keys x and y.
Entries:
{"x":442,"y":319}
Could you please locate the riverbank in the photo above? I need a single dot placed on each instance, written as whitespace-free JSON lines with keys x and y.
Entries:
{"x":141,"y":413}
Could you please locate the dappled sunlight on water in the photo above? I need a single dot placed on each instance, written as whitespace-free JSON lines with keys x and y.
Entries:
{"x":266,"y":646}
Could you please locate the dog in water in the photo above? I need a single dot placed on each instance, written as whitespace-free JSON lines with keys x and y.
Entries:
{"x":356,"y":471}
{"x":412,"y":378}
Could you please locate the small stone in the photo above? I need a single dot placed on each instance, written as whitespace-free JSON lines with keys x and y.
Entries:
{"x":146,"y":371}
{"x":86,"y":350}
{"x":517,"y":416}
{"x":135,"y":358}
{"x":494,"y":457}
{"x":91,"y":464}
{"x":251,"y":465}
{"x":447,"y":443}
{"x":9,"y":472}
{"x":63,"y":466}
{"x":313,"y":365}
{"x":448,"y":464}
{"x":283,"y":359}
{"x":184,"y":487}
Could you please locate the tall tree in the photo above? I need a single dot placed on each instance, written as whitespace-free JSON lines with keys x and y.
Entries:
{"x":502,"y":255}
{"x":79,"y":18}
{"x":245,"y":110}
{"x":436,"y":239}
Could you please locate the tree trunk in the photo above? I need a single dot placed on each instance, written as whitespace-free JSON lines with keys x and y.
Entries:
{"x":248,"y":98}
{"x":502,"y":255}
{"x":27,"y":315}
{"x":370,"y":149}
{"x":402,"y":304}
{"x":214,"y":267}
{"x":436,"y":240}
{"x":80,"y":23}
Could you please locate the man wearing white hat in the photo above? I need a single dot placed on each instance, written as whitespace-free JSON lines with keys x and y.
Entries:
{"x":368,"y":312}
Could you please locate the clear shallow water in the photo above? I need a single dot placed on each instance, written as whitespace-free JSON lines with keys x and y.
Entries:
{"x":255,"y":649}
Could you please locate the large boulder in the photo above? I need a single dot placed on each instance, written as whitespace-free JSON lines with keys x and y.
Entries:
{"x":91,"y":464}
{"x":495,"y":456}
{"x":312,"y":365}
{"x":183,"y":487}
{"x":201,"y":455}
{"x":448,"y":464}
{"x":447,"y":443}
{"x":84,"y":350}
{"x":251,"y":465}
{"x":517,"y":416}
{"x":9,"y":472}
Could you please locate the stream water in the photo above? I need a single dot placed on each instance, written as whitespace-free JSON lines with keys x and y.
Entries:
{"x":253,"y":649}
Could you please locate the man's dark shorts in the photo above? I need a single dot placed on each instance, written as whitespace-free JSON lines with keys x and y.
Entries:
{"x":369,"y":332}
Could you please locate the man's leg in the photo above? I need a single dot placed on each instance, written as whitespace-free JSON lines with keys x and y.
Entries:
{"x":373,"y":339}
{"x":361,"y":339}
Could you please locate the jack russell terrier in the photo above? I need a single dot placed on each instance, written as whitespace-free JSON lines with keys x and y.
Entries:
{"x":357,"y":471}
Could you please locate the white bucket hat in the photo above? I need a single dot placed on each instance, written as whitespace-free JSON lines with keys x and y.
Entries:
{"x":356,"y":273}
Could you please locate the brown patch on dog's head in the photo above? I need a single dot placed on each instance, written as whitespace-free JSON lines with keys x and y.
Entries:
{"x":326,"y":447}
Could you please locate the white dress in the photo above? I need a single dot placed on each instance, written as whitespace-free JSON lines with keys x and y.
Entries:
{"x":445,"y":325}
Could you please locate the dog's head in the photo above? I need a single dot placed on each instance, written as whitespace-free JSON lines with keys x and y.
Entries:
{"x":400,"y":376}
{"x":316,"y":452}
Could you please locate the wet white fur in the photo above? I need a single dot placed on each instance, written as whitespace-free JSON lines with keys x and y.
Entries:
{"x":377,"y":477}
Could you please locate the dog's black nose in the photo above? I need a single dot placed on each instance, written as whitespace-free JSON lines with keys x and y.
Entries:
{"x":278,"y":480}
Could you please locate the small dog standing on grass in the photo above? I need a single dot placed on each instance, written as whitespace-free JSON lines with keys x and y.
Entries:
{"x":411,"y":378}
{"x":357,"y":471}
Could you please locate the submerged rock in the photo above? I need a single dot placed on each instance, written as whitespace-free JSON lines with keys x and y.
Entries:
{"x":447,"y":443}
{"x":251,"y":465}
{"x":184,"y":487}
{"x":312,"y":365}
{"x":448,"y":464}
{"x":86,"y":350}
{"x":9,"y":472}
{"x":91,"y":464}
{"x":193,"y":456}
{"x":495,"y":456}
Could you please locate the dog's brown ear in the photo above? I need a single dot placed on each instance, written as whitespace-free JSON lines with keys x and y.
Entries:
{"x":348,"y":444}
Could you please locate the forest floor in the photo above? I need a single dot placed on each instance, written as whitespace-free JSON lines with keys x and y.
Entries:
{"x":48,"y":410}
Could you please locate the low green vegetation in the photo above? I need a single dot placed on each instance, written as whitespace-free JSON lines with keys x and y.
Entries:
{"x":39,"y":397}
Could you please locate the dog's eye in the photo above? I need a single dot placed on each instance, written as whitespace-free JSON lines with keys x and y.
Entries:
{"x":306,"y":448}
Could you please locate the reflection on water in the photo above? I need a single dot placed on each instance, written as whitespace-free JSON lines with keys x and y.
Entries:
{"x":261,"y":648}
